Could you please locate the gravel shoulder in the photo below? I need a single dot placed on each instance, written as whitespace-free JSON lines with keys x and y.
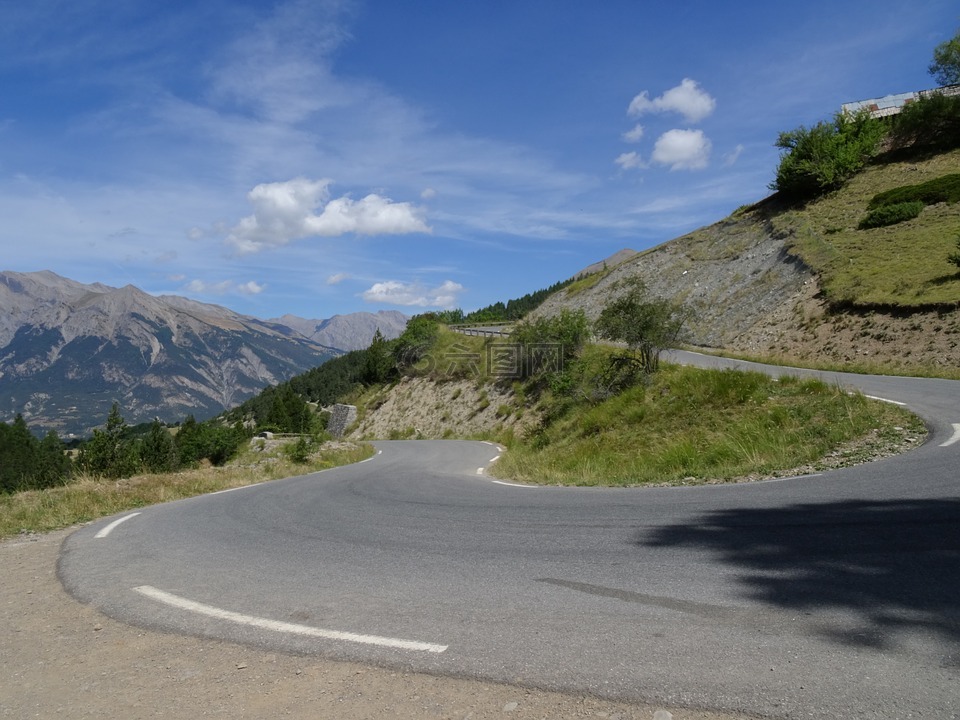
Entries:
{"x":63,"y":659}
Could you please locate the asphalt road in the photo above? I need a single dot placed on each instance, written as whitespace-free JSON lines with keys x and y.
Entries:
{"x":836,"y":595}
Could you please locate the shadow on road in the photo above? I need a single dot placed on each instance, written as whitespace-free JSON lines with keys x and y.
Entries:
{"x":892,"y":566}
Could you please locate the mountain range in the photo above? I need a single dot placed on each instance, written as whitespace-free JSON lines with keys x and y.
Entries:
{"x":68,"y":350}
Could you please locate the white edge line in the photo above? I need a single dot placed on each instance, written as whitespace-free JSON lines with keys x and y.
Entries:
{"x":284,"y":627}
{"x":233,"y":489}
{"x":516,"y":485}
{"x":109,"y":528}
{"x":886,"y":400}
{"x":955,"y":438}
{"x":370,"y":458}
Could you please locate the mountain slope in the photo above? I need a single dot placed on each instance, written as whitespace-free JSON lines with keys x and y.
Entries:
{"x":764,"y":280}
{"x":348,"y":332}
{"x":69,"y":350}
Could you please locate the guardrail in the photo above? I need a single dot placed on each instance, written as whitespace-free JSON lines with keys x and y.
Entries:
{"x":483,"y":329}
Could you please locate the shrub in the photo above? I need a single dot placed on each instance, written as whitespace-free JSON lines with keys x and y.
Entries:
{"x":819,"y":159}
{"x":550,"y":343}
{"x":891,"y":214}
{"x":941,"y":189}
{"x":931,"y":123}
{"x":954,"y":257}
{"x":417,"y":340}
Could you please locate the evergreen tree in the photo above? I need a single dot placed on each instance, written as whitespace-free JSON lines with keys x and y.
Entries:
{"x":54,"y":466}
{"x":18,"y":455}
{"x":379,"y":360}
{"x":109,"y":453}
{"x":158,"y":452}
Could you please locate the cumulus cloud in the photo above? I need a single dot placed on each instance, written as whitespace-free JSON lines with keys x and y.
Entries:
{"x":286,"y":211}
{"x":394,"y":292}
{"x":251,"y":288}
{"x":634,"y":135}
{"x":428,"y":194}
{"x":687,"y":98}
{"x":682,"y":150}
{"x":337,"y":278}
{"x":629,"y":160}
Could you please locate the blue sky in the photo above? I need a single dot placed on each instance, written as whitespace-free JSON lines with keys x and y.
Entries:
{"x":329,"y":156}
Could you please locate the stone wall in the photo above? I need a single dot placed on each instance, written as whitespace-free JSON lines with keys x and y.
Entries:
{"x":341,"y":417}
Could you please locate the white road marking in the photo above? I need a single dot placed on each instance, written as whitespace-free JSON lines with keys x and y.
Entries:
{"x":370,"y":458}
{"x":283,"y":627}
{"x":239,"y":487}
{"x":109,"y":528}
{"x":480,"y":471}
{"x":955,"y":438}
{"x":501,"y":482}
{"x":881,"y":399}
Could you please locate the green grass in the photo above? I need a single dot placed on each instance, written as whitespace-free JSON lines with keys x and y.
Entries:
{"x":87,"y":498}
{"x":691,"y":426}
{"x":901,"y":266}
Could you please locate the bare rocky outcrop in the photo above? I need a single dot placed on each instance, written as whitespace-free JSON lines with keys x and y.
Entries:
{"x":419,"y":407}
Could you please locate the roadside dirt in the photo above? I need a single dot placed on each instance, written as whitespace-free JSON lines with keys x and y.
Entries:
{"x":61,"y":659}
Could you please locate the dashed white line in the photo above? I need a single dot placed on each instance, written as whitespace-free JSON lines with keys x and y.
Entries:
{"x":283,"y":627}
{"x":109,"y":528}
{"x":955,"y":438}
{"x":370,"y":458}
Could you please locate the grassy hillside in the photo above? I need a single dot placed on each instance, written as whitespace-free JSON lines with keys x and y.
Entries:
{"x":802,"y":284}
{"x":903,"y":266}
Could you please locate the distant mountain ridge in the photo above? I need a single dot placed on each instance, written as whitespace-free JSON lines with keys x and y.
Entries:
{"x":68,"y":350}
{"x":348,"y":332}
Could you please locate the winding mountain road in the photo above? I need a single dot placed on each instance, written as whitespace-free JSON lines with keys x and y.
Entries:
{"x":830,"y":595}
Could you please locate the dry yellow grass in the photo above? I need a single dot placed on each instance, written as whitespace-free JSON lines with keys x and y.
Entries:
{"x":88,"y":498}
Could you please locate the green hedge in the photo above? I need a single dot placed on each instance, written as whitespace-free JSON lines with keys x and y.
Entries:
{"x":942,"y":189}
{"x":891,"y":214}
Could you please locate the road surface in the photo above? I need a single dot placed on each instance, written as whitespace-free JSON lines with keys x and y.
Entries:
{"x":821,"y":596}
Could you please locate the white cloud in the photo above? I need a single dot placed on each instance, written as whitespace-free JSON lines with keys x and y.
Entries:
{"x":251,"y":288}
{"x":394,"y":292}
{"x":337,"y":278}
{"x":286,"y":211}
{"x":205,"y":288}
{"x":687,"y":98}
{"x":629,"y":160}
{"x":634,"y":135}
{"x":682,"y":150}
{"x":428,"y":194}
{"x":224,"y":287}
{"x":731,"y":157}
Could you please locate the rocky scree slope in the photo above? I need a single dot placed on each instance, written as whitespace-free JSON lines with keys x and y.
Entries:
{"x":748,"y":292}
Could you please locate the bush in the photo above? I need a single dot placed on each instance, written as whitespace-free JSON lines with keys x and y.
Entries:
{"x":416,"y":340}
{"x":822,"y":158}
{"x":891,"y":214}
{"x":942,"y":189}
{"x":550,"y":343}
{"x":954,"y":257}
{"x":931,"y":123}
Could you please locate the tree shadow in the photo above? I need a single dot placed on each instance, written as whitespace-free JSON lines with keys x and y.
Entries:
{"x":894,"y":566}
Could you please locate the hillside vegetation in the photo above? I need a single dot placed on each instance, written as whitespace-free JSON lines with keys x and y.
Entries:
{"x":581,"y":419}
{"x":902,"y":266}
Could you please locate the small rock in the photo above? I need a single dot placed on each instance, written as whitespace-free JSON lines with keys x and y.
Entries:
{"x":511,"y":706}
{"x":662,"y":715}
{"x":98,"y":627}
{"x":241,"y":666}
